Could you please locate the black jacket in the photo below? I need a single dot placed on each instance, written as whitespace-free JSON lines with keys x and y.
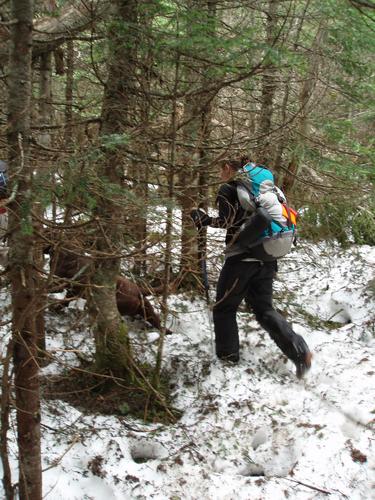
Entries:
{"x":230,"y":213}
{"x":231,"y":216}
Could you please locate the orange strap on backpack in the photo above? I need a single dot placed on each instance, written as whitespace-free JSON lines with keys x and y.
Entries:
{"x":290,"y":214}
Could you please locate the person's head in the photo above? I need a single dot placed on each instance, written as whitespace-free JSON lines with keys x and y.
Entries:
{"x":229,"y":168}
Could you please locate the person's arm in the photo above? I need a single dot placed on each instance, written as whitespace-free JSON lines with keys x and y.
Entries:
{"x":227,"y":207}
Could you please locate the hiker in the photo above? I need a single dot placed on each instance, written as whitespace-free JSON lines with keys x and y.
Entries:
{"x":3,"y":198}
{"x":3,"y":179}
{"x":247,"y":273}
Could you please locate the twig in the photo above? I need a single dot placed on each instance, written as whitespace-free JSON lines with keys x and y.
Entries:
{"x":5,"y":402}
{"x":56,"y":462}
{"x":316,"y":488}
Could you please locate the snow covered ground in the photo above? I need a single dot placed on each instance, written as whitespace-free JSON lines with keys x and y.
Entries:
{"x":250,"y":431}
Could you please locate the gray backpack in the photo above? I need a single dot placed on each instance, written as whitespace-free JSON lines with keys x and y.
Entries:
{"x":269,"y":224}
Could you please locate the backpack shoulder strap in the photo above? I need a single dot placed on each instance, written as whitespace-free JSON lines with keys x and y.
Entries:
{"x":245,"y":197}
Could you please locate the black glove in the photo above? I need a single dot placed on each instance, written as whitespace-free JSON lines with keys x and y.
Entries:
{"x":200,"y":218}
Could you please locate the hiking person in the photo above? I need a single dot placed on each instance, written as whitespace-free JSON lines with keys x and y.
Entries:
{"x":247,"y":273}
{"x":3,"y":198}
{"x":3,"y":179}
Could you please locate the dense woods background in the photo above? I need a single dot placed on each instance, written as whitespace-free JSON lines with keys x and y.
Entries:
{"x":113,"y":118}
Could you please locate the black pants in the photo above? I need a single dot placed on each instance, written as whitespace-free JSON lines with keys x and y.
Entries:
{"x":253,"y":282}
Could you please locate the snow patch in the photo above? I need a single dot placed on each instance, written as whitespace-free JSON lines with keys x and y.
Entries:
{"x":247,"y":431}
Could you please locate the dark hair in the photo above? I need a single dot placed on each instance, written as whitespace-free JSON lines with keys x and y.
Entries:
{"x":244,"y":160}
{"x":234,"y":164}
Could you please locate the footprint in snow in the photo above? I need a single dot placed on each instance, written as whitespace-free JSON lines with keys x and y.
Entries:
{"x":144,"y":450}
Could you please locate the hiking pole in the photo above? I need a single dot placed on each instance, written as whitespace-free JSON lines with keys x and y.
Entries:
{"x":203,"y":267}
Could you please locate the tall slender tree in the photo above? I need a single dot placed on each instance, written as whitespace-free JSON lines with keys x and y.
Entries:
{"x":197,"y":128}
{"x":305,"y":96}
{"x":268,"y":85}
{"x":117,"y":111}
{"x":23,"y":276}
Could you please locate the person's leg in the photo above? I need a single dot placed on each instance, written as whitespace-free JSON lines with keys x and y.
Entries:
{"x":259,"y":297}
{"x":231,"y":289}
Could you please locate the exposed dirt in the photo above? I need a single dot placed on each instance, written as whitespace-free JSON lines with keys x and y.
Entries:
{"x":100,"y":393}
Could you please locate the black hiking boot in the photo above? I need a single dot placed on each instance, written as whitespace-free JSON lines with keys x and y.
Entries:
{"x":303,"y":365}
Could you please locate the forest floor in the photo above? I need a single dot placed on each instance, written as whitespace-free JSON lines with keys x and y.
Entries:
{"x":249,"y":431}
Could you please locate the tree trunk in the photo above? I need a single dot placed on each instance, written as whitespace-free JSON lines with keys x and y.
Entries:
{"x":68,"y":132}
{"x":142,"y":148}
{"x":44,"y":138}
{"x":305,"y":96}
{"x":264,"y":154}
{"x":169,"y":226}
{"x":24,"y":278}
{"x":5,"y":412}
{"x":136,"y":222}
{"x":196,"y":133}
{"x":206,"y":130}
{"x":297,"y":22}
{"x":112,"y":348}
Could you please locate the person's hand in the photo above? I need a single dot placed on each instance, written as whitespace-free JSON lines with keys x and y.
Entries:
{"x":200,"y":218}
